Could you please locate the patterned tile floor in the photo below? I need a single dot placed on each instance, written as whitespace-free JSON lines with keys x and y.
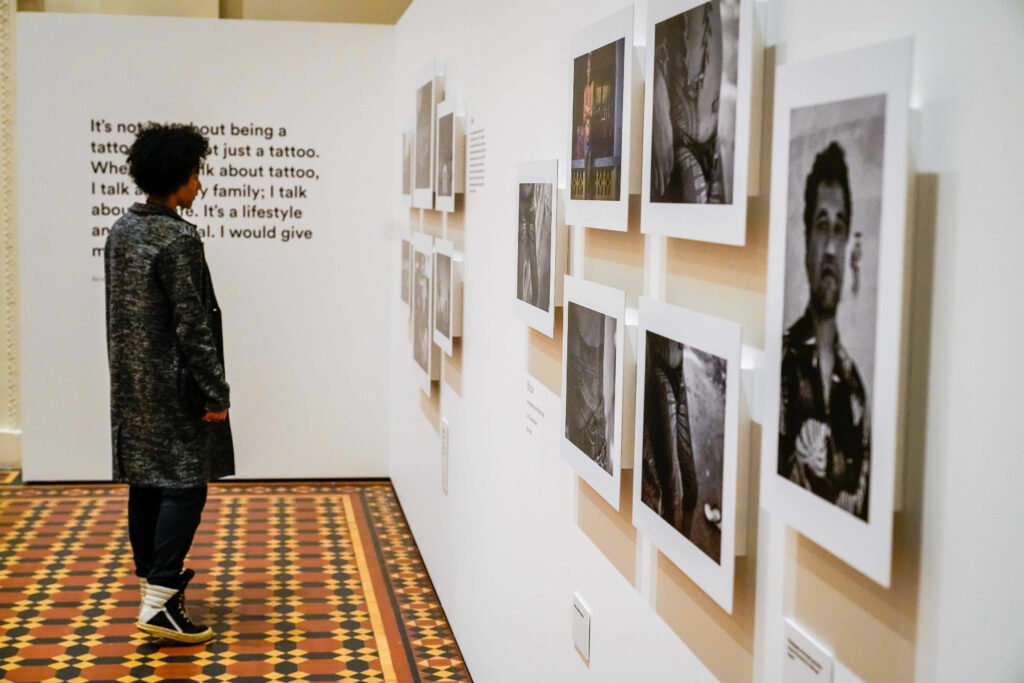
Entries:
{"x":301,"y":582}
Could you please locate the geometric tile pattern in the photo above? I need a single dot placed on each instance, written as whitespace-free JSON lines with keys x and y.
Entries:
{"x":300,"y":582}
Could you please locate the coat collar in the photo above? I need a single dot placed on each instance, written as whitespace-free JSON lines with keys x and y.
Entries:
{"x":147,"y":209}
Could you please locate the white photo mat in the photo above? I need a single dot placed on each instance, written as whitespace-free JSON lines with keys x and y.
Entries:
{"x":722,"y":223}
{"x":721,"y":338}
{"x":880,"y":69}
{"x":446,"y":248}
{"x":607,"y":214}
{"x":612,"y":303}
{"x":458,"y":155}
{"x":424,"y":244}
{"x":432,"y":75}
{"x":537,"y":318}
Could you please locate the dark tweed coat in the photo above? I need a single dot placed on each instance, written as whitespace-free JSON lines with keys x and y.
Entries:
{"x":166,"y":353}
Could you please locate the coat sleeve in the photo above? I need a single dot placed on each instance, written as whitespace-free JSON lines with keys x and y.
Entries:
{"x":180,"y":267}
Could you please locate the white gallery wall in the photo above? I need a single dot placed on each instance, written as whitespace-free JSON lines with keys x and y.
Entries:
{"x":299,"y":290}
{"x":505,"y":546}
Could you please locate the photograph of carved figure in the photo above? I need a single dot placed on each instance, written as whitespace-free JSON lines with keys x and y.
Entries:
{"x":694,"y":91}
{"x":830,"y":302}
{"x":590,"y":383}
{"x":421,"y":336}
{"x":684,"y":440}
{"x":406,"y":265}
{"x":533,"y":269}
{"x":597,"y":123}
{"x":424,"y":137}
{"x":445,"y":155}
{"x":442,"y":294}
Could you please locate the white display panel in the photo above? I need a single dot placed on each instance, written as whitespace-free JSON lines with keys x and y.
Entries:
{"x":833,"y":478}
{"x":686,"y":189}
{"x":594,"y":323}
{"x":601,"y":123}
{"x":688,"y":364}
{"x":300,"y":408}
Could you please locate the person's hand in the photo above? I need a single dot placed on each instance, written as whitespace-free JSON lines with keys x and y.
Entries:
{"x":811,"y":446}
{"x":215,"y":417}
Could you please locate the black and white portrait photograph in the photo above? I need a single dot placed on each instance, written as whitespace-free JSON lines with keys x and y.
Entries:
{"x":597,"y":99}
{"x":421,"y":336}
{"x":697,"y":119}
{"x":834,"y":318}
{"x":445,"y":155}
{"x":406,"y":266}
{"x":684,"y":440}
{"x":533,"y":266}
{"x":424,"y":134}
{"x":831,"y":291}
{"x":694,"y":92}
{"x":442,"y":294}
{"x":592,"y":359}
{"x":590,"y":383}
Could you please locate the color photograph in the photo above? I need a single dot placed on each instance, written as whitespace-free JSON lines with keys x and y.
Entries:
{"x":597,"y":123}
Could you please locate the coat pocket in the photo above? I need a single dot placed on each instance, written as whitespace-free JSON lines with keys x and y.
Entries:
{"x":192,"y":398}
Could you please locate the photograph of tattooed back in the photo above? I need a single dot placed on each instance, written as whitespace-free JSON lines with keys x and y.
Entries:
{"x":424,"y":137}
{"x":421,"y":336}
{"x":407,"y":138}
{"x":693,"y":120}
{"x":533,"y":265}
{"x":684,"y":440}
{"x":833,"y":218}
{"x":597,"y":123}
{"x":590,"y":383}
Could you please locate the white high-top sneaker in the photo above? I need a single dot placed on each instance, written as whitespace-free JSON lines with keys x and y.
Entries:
{"x":163,"y":613}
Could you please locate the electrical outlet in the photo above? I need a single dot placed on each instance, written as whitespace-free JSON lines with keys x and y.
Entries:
{"x":446,"y":441}
{"x":581,"y":626}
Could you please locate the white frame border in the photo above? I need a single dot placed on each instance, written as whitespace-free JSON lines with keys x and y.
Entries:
{"x":542,"y":321}
{"x":721,"y":223}
{"x":722,"y":338}
{"x":610,"y":302}
{"x":885,"y":68}
{"x":609,"y":215}
{"x":424,"y":244}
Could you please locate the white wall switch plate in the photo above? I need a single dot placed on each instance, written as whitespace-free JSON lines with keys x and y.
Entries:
{"x":446,"y":440}
{"x":581,"y":626}
{"x":806,"y":660}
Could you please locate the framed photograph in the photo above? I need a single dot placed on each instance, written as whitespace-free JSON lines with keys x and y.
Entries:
{"x":408,"y":138}
{"x":601,"y":123}
{"x":592,"y":355}
{"x":425,"y":354}
{"x":835,"y":300}
{"x":451,"y":140}
{"x":541,"y":254}
{"x":406,"y":270}
{"x":447,"y":294}
{"x":697,"y":119}
{"x":429,"y":91}
{"x":685,"y":455}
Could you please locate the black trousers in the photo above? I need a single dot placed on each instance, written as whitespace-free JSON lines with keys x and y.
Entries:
{"x":161,"y":525}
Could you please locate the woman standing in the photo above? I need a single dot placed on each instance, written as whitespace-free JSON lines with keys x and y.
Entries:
{"x":168,"y":394}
